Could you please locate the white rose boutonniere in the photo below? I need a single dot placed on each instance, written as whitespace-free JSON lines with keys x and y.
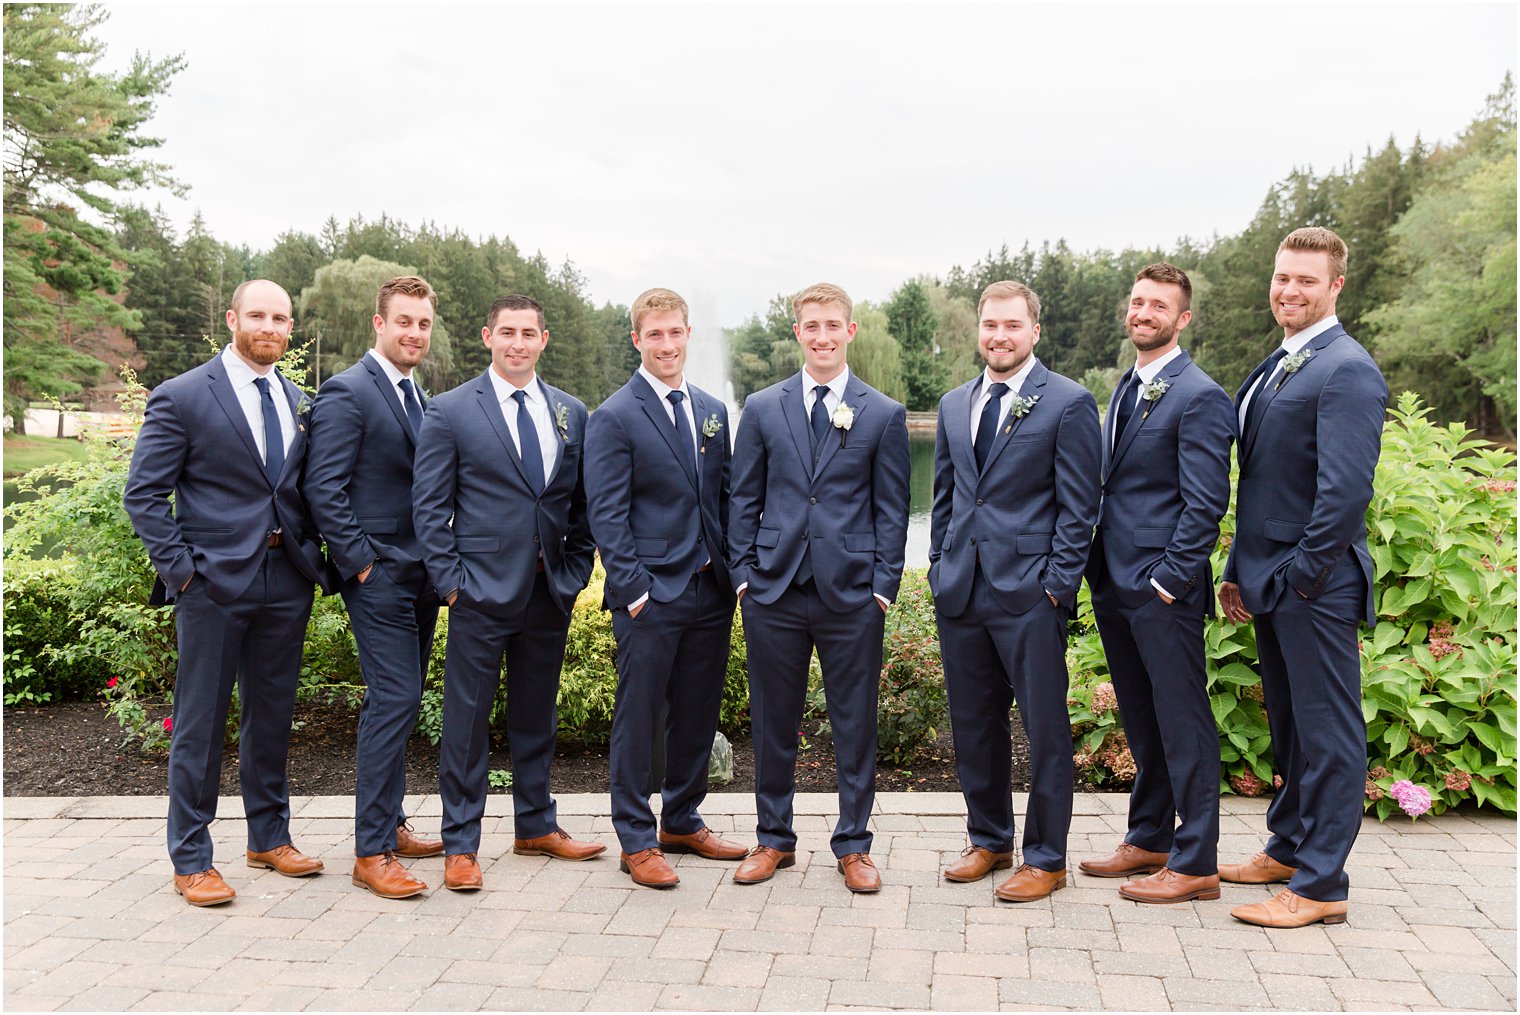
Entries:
{"x":562,"y":420}
{"x":711,"y":427}
{"x":843,"y":418}
{"x":1152,"y":393}
{"x":1293,"y":364}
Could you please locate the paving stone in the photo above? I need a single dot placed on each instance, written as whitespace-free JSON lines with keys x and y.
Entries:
{"x":1460,"y":990}
{"x":1225,"y":993}
{"x":453,"y":997}
{"x":525,"y":999}
{"x":1297,"y":964}
{"x":657,"y":970}
{"x":1381,"y":992}
{"x":1043,"y":992}
{"x":279,"y":998}
{"x":890,"y":965}
{"x":1132,"y":993}
{"x":875,"y":994}
{"x":582,"y":973}
{"x":949,"y":992}
{"x":704,"y":997}
{"x":621,"y":995}
{"x":794,"y":994}
{"x":737,"y":969}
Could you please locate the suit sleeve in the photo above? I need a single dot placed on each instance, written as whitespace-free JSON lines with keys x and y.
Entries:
{"x":580,"y":547}
{"x":1203,"y":476}
{"x":163,"y":444}
{"x":337,"y":429}
{"x":1348,"y":438}
{"x":609,"y":496}
{"x":890,"y":490}
{"x":746,"y":498}
{"x":944,"y":489}
{"x":1078,"y":460}
{"x":435,"y":480}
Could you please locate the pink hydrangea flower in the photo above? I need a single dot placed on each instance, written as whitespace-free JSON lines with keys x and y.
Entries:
{"x":1104,"y":700}
{"x":1413,"y":800}
{"x":1458,"y":780}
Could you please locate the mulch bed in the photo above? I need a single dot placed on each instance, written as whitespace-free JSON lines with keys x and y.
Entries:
{"x":75,"y":749}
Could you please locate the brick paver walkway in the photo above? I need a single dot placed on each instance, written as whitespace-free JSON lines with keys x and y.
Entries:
{"x":91,"y":922}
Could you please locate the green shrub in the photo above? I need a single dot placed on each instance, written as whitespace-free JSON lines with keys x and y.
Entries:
{"x":913,"y":707}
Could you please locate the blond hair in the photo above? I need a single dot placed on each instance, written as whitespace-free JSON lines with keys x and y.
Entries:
{"x":403,"y":285}
{"x":1008,"y":290}
{"x":1321,"y":240}
{"x":823,"y":292}
{"x":656,"y":301}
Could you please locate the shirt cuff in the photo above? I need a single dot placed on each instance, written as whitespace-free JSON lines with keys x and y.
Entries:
{"x":883,"y":600}
{"x":638,"y":602}
{"x":741,"y":588}
{"x":1159,"y":588}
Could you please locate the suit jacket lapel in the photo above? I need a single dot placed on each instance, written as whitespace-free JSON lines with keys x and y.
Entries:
{"x":554,"y":398}
{"x":957,"y":424}
{"x":388,"y":392}
{"x":793,"y":410}
{"x":298,"y":430}
{"x":1110,"y":422}
{"x":834,"y":438}
{"x":703,"y":406}
{"x":1143,"y":411}
{"x":1248,"y":440}
{"x":492,"y":408}
{"x":221,"y":388}
{"x":1032,"y":385}
{"x":656,"y":413}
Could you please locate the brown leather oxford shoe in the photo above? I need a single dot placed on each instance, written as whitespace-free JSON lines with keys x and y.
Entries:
{"x":461,"y":873}
{"x":1029,"y":884}
{"x":384,"y":876}
{"x":1287,"y":909}
{"x":704,"y":843}
{"x":1261,"y":869}
{"x":1125,"y":862}
{"x":860,"y":874}
{"x":286,"y":860}
{"x":762,"y":864}
{"x":204,"y":888}
{"x":559,"y":845}
{"x":1166,"y":885}
{"x":648,"y":867}
{"x":413,"y":846}
{"x":976,"y":863}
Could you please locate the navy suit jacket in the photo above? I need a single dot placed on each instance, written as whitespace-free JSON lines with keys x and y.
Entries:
{"x":1028,"y":515}
{"x":851,"y":511}
{"x":359,"y":474}
{"x":469,"y":472}
{"x":1306,"y":474}
{"x":195,"y":443}
{"x":655,"y":519}
{"x":1166,"y":484}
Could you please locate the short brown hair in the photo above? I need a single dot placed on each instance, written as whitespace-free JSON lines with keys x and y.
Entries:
{"x":1318,"y":238}
{"x":823,"y":292}
{"x":1169,"y":274}
{"x":1008,"y":290}
{"x":514,"y":302}
{"x":657,"y":300}
{"x":404,"y":285}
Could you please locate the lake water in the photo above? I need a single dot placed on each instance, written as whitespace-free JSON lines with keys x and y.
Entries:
{"x":921,"y":450}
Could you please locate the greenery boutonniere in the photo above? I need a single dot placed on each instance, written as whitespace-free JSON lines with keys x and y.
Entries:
{"x":711,"y":426}
{"x":562,"y":420}
{"x":1152,"y":393}
{"x":1293,"y":364}
{"x":303,"y":410}
{"x":843,"y":418}
{"x":1022,"y":406}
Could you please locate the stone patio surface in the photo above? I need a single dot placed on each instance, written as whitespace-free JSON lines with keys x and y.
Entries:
{"x":91,"y":922}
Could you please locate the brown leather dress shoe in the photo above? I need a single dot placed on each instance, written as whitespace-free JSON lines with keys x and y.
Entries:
{"x":384,"y":876}
{"x":762,"y":864}
{"x":860,"y":874}
{"x":413,"y":846}
{"x":1125,"y":862}
{"x":1287,"y":909}
{"x":1261,"y":869}
{"x":461,"y":873}
{"x":976,"y":863}
{"x":1029,"y":884}
{"x":647,"y":867}
{"x":704,"y":843}
{"x":559,"y":845}
{"x":204,"y":888}
{"x":1166,"y":885}
{"x":286,"y":860}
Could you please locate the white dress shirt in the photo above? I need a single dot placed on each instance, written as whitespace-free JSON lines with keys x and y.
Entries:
{"x":395,"y":375}
{"x":1145,"y":375}
{"x":538,"y":410}
{"x":1292,"y":346}
{"x":663,"y":390}
{"x":831,"y":401}
{"x":242,"y":376}
{"x":1015,"y":386}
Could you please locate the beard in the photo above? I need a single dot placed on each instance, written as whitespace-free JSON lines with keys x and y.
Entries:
{"x":1164,"y":334}
{"x":256,"y":348}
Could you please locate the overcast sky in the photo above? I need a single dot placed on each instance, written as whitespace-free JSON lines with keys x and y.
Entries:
{"x":734,"y":152}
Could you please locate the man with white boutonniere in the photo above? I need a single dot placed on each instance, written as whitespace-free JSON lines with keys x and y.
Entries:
{"x":657,"y":458}
{"x":1015,"y":496}
{"x":1311,"y":424}
{"x":818,"y":523}
{"x":1166,"y":484}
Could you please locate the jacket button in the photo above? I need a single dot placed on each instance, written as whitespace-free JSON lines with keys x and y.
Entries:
{"x":812,"y":500}
{"x":979,"y":502}
{"x":535,"y":539}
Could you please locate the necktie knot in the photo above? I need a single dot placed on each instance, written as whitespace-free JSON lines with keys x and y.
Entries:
{"x":262,"y":383}
{"x":676,"y":398}
{"x":820,"y":391}
{"x":997,"y":390}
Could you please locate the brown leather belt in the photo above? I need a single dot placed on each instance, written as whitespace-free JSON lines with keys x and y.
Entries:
{"x":276,"y":538}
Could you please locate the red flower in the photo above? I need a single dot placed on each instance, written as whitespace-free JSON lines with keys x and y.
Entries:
{"x":168,"y":724}
{"x":112,"y":682}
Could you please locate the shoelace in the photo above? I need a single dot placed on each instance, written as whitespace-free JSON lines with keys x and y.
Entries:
{"x":864,"y":858}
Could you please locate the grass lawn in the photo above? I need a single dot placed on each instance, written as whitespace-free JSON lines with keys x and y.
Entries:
{"x":24,"y":453}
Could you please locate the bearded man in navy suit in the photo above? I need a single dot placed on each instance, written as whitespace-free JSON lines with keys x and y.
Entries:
{"x":500,"y":509}
{"x":364,"y":430}
{"x":818,"y":523}
{"x":1166,"y":484}
{"x":657,"y":458}
{"x":1015,"y":497}
{"x":1311,"y":424}
{"x":238,"y":557}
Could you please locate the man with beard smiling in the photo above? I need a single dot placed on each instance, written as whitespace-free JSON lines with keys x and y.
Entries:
{"x":1015,"y":497}
{"x":364,"y":429}
{"x":1166,"y":484}
{"x":238,"y":556}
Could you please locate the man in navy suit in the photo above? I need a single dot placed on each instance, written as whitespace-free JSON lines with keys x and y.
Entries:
{"x":364,"y":429}
{"x":500,"y":510}
{"x":817,"y":529}
{"x":657,"y":460}
{"x":1015,"y":497}
{"x":1311,"y":423}
{"x":1166,"y":484}
{"x":237,"y":556}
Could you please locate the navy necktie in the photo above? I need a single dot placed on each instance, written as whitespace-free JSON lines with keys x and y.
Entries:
{"x":527,"y":438}
{"x":274,"y":439}
{"x":683,"y":435}
{"x":413,"y":407}
{"x":1259,"y":396}
{"x":986,"y":429}
{"x":1124,"y":405}
{"x":819,"y":418}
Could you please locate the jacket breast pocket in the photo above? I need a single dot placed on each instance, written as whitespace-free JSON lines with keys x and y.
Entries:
{"x":1152,"y":537}
{"x":650,"y":547}
{"x":859,"y":542}
{"x":1288,"y":404}
{"x":1280,"y":531}
{"x":768,"y":537}
{"x":379,"y":526}
{"x":1024,"y":435}
{"x":1032,"y":544}
{"x":478,"y":544}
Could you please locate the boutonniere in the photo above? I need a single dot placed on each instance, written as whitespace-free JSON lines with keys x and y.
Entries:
{"x":1022,"y":406}
{"x":1293,"y":364}
{"x":303,"y":410}
{"x":711,"y":426}
{"x":562,"y":420}
{"x":1152,"y":393}
{"x":843,"y":418}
